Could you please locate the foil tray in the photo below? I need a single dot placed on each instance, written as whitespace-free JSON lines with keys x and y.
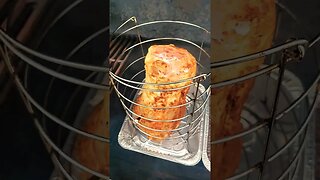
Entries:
{"x":206,"y":141}
{"x":291,"y":88}
{"x":186,"y":151}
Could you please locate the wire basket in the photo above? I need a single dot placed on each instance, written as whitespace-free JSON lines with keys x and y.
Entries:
{"x":185,"y":140}
{"x":82,"y":78}
{"x":277,"y":113}
{"x":286,"y":157}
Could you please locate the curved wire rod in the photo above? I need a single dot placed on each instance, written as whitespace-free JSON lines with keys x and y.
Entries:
{"x":314,"y":41}
{"x":149,"y":89}
{"x":167,"y":38}
{"x":188,"y":102}
{"x":241,"y":134}
{"x":244,"y":173}
{"x":57,"y":163}
{"x":298,"y":133}
{"x":164,"y":130}
{"x":171,"y":120}
{"x":72,"y":52}
{"x":297,"y":157}
{"x":54,"y":73}
{"x":29,"y":99}
{"x":7,"y":39}
{"x":60,"y":16}
{"x":245,"y":77}
{"x":279,"y":116}
{"x":55,"y":119}
{"x":158,"y":22}
{"x":199,"y":77}
{"x":258,"y":54}
{"x":133,"y":18}
{"x":193,"y":129}
{"x":87,"y":40}
{"x":299,"y":99}
{"x":65,"y":156}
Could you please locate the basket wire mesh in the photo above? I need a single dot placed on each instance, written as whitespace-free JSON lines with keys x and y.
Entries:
{"x":11,"y":47}
{"x":291,"y":51}
{"x":130,"y":83}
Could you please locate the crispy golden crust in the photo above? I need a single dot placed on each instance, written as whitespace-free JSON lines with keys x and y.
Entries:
{"x":163,"y":64}
{"x":91,"y":153}
{"x":238,"y":28}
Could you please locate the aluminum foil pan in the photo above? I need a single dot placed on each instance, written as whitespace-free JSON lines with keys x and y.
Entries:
{"x":206,"y":140}
{"x":183,"y":150}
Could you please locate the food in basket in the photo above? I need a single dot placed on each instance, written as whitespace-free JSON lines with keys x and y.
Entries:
{"x":238,"y":28}
{"x":164,"y":64}
{"x":89,"y":152}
